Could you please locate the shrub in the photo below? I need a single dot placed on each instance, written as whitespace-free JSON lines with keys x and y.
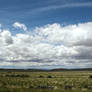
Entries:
{"x":68,"y":87}
{"x":90,"y":76}
{"x":49,"y":76}
{"x":41,"y":76}
{"x":45,"y":87}
{"x":17,"y":75}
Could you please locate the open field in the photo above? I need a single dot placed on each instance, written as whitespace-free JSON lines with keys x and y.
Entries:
{"x":65,"y":81}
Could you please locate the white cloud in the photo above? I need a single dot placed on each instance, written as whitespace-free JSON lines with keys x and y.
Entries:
{"x":19,"y":25}
{"x":52,"y":44}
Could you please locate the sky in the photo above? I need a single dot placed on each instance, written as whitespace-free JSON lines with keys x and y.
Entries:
{"x":45,"y":34}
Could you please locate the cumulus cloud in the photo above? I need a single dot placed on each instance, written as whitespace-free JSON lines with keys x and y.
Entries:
{"x":19,"y":25}
{"x":50,"y":45}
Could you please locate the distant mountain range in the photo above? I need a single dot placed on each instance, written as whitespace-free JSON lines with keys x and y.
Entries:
{"x":42,"y":70}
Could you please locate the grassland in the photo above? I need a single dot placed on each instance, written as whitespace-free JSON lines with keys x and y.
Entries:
{"x":65,"y":81}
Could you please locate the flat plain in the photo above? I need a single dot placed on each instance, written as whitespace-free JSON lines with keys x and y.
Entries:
{"x":42,"y":81}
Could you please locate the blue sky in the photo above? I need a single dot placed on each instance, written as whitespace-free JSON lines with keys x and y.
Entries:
{"x":45,"y":34}
{"x":41,"y":12}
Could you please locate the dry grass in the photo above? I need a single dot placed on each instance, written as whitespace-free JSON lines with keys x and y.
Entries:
{"x":67,"y":81}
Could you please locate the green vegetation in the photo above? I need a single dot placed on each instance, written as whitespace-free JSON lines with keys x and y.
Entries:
{"x":65,"y":81}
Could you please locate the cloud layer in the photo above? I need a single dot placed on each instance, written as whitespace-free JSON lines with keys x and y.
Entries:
{"x":50,"y":45}
{"x":59,"y":6}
